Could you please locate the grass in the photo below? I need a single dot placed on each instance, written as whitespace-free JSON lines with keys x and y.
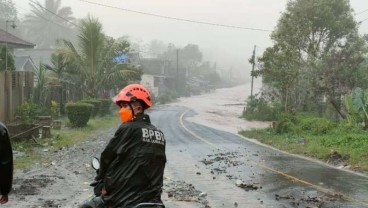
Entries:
{"x":60,"y":138}
{"x":350,"y":143}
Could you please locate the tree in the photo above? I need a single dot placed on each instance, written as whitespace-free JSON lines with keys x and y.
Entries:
{"x":190,"y":57}
{"x":58,"y":65}
{"x":55,"y":21}
{"x":357,"y":106}
{"x":7,"y":12}
{"x":95,"y":69}
{"x":307,"y":33}
{"x":280,"y":70}
{"x":118,"y":72}
{"x":156,"y":48}
{"x":314,"y":27}
{"x":365,"y":37}
{"x":342,"y":70}
{"x":41,"y":91}
{"x":11,"y":65}
{"x":170,"y":53}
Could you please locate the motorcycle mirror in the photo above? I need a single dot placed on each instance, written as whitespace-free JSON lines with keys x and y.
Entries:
{"x":95,"y":163}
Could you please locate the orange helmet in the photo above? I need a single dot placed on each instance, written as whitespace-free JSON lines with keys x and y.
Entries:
{"x":134,"y":92}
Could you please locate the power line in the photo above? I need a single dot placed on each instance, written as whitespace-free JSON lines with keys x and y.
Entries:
{"x":178,"y":19}
{"x":363,"y":20}
{"x":362,"y":12}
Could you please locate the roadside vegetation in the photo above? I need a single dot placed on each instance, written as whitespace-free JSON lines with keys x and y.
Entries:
{"x":33,"y":151}
{"x":336,"y":143}
{"x":315,"y":85}
{"x":73,"y":91}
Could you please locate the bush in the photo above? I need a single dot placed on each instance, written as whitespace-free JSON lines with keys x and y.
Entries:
{"x":27,"y":112}
{"x":79,"y":113}
{"x":316,"y":125}
{"x":166,"y":96}
{"x":105,"y":107}
{"x":287,"y":123}
{"x":96,"y":106}
{"x":308,"y":124}
{"x":54,"y":108}
{"x":257,"y":108}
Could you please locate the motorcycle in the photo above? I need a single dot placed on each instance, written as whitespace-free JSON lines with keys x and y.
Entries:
{"x":96,"y":201}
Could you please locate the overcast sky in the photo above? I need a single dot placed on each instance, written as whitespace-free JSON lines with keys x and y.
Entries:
{"x":230,"y":48}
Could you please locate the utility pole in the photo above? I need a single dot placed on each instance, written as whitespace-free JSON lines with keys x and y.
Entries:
{"x":177,"y":70}
{"x":252,"y":73}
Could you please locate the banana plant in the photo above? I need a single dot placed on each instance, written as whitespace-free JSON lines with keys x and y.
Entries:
{"x":352,"y":115}
{"x":360,"y":103}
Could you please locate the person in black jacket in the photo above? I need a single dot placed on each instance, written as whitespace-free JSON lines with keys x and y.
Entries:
{"x":133,"y":162}
{"x":6,"y":164}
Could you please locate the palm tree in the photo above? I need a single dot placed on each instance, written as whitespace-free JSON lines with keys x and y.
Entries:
{"x":8,"y":11}
{"x":93,"y":59}
{"x":48,"y":23}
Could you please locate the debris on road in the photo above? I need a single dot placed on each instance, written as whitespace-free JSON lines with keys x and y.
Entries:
{"x":246,"y":187}
{"x":182,"y":191}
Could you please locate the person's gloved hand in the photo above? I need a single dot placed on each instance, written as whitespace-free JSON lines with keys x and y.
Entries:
{"x":98,"y":186}
{"x":103,"y":191}
{"x":3,"y":199}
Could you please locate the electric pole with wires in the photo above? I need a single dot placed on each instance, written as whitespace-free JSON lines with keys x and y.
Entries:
{"x":253,"y":61}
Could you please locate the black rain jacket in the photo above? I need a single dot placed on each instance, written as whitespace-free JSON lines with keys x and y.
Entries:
{"x":6,"y":161}
{"x":133,"y":163}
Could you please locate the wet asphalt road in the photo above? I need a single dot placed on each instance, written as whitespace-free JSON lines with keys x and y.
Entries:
{"x":214,"y":161}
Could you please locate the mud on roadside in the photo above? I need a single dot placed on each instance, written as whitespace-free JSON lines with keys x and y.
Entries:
{"x":63,"y":181}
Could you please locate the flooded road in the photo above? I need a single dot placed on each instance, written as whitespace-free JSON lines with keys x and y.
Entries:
{"x":235,"y":172}
{"x":209,"y":165}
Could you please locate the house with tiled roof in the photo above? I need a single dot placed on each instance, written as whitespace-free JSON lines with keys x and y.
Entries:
{"x":15,"y":87}
{"x":13,"y":41}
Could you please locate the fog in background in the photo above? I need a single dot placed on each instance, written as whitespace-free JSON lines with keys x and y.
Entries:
{"x":229,"y":48}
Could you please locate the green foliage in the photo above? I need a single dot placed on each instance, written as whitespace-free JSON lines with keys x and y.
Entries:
{"x":316,"y":125}
{"x":281,"y":70}
{"x":61,"y":138}
{"x":166,"y":96}
{"x":350,"y":140}
{"x":314,"y":26}
{"x":319,"y":142}
{"x":27,"y":112}
{"x":93,"y":59}
{"x":257,"y":108}
{"x":303,"y":124}
{"x":11,"y":64}
{"x":352,"y":114}
{"x":287,"y":123}
{"x":96,"y":106}
{"x":79,"y":113}
{"x":55,"y":110}
{"x":105,"y":107}
{"x":40,"y":92}
{"x":360,"y":103}
{"x":317,"y":56}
